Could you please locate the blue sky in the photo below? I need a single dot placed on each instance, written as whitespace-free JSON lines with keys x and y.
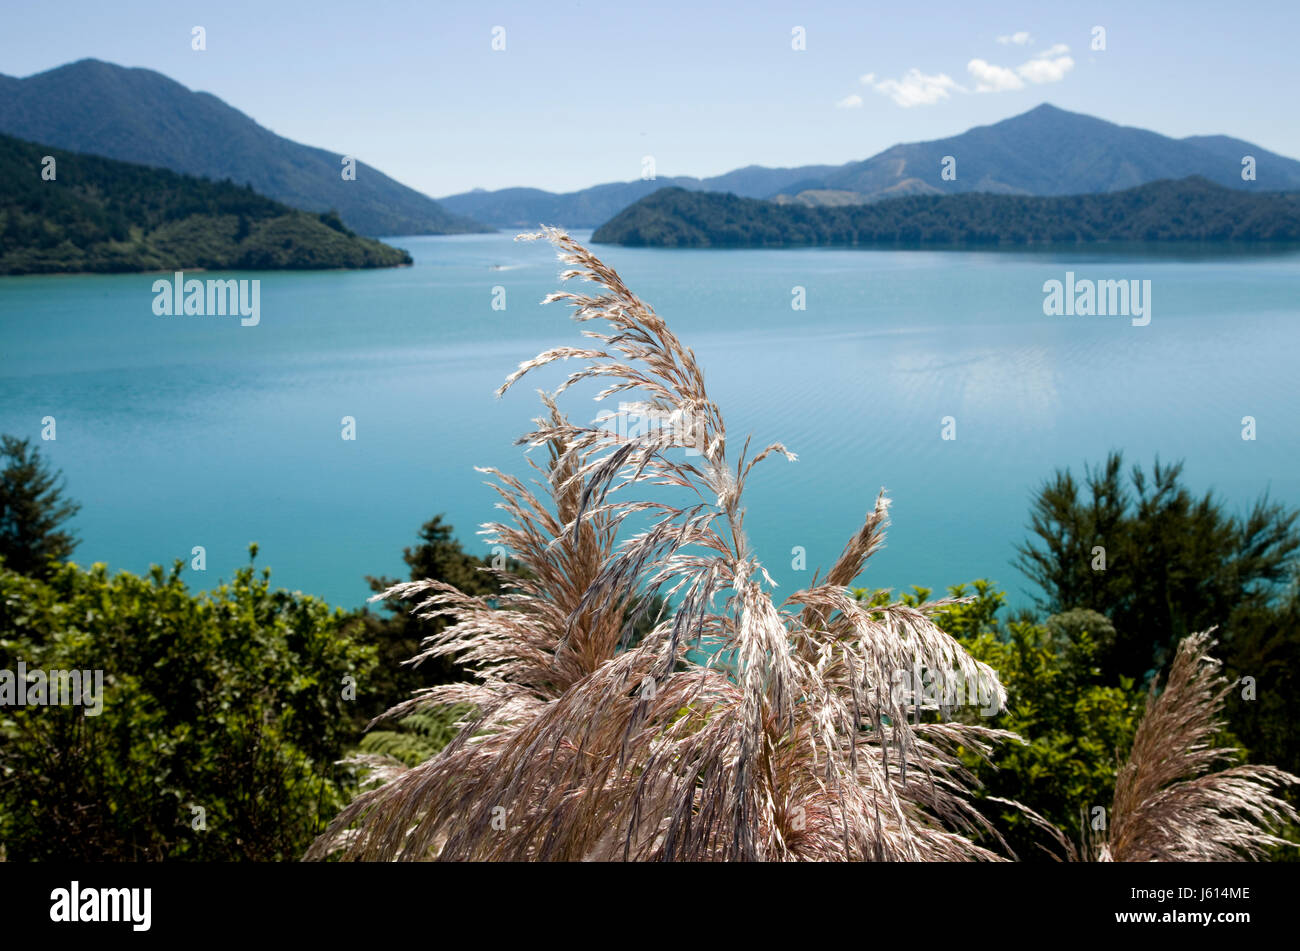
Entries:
{"x":582,"y":91}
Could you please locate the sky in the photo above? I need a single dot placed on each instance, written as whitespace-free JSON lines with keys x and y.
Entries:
{"x":582,"y":92}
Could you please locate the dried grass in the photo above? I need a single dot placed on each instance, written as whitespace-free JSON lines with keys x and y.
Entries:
{"x":1171,"y":804}
{"x":582,"y":751}
{"x":796,"y":748}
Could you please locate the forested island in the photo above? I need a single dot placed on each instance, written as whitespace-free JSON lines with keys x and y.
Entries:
{"x":1190,"y":209}
{"x":64,"y":212}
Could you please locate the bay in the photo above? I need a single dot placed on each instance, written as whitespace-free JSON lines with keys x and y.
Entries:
{"x":182,"y":431}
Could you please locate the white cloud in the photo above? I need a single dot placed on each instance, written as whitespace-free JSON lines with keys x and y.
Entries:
{"x":915,"y":88}
{"x":1060,"y":49}
{"x":1049,"y":66}
{"x":990,"y":78}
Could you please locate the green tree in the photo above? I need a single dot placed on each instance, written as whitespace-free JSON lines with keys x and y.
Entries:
{"x":1174,"y":563}
{"x":438,"y":556}
{"x":223,"y":717}
{"x":1177,"y":564}
{"x":33,"y":510}
{"x":1075,"y":723}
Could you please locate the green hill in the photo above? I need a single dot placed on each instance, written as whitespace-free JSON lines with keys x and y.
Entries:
{"x":102,"y":215}
{"x":138,"y":115}
{"x":1192,"y":209}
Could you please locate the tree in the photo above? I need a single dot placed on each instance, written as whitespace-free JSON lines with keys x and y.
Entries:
{"x":1177,"y":564}
{"x":33,"y":510}
{"x":439,"y":557}
{"x":1073,"y":724}
{"x":1160,"y":563}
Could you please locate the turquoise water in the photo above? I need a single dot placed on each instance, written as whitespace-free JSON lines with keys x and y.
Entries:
{"x":183,"y":431}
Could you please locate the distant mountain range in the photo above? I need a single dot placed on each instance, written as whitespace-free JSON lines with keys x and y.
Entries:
{"x":1046,"y":151}
{"x":137,"y":115}
{"x":590,"y":207}
{"x":140,"y":116}
{"x":1192,"y":209}
{"x":88,"y":213}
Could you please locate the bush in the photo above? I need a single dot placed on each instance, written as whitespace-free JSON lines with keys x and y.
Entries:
{"x":223,"y":717}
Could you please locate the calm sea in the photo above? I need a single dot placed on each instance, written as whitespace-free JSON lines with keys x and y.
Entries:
{"x":182,"y":431}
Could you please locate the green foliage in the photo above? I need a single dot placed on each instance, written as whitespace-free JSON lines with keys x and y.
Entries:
{"x":1192,"y":209}
{"x":1175,"y":564}
{"x":102,"y":215}
{"x":417,"y":736}
{"x":32,"y":510}
{"x":331,"y":219}
{"x":1262,"y":642}
{"x":1075,"y":723}
{"x":438,"y":557}
{"x":233,"y":701}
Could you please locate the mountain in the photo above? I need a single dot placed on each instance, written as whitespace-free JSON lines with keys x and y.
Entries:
{"x":98,"y":214}
{"x":529,"y":207}
{"x":1191,"y":209}
{"x":1046,"y":151}
{"x":137,"y":115}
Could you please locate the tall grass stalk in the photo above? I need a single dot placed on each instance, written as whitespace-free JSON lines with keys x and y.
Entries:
{"x":1171,"y":802}
{"x":581,"y":750}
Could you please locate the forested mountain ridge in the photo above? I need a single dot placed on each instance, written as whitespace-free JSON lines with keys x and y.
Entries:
{"x":1192,"y":209}
{"x":140,"y":116}
{"x":65,"y":212}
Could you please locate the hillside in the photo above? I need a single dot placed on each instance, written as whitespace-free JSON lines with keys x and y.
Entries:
{"x":589,"y":207}
{"x":108,"y":216}
{"x":137,"y":115}
{"x":1046,"y":151}
{"x":1192,"y":209}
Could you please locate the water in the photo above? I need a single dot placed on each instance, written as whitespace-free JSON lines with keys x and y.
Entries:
{"x":185,"y":431}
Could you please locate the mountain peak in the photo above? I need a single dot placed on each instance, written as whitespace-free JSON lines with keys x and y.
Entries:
{"x":89,"y":65}
{"x":1046,"y":110}
{"x":91,"y":69}
{"x":1051,"y":151}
